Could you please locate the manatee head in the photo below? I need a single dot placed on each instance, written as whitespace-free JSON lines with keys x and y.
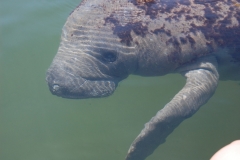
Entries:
{"x":102,"y":42}
{"x":91,"y":58}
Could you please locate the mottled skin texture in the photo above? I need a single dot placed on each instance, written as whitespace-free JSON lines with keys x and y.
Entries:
{"x":103,"y":41}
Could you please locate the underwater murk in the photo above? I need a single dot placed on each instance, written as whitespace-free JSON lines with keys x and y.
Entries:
{"x":34,"y":124}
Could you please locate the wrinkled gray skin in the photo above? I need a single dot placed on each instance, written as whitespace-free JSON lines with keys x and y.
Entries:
{"x":103,"y":41}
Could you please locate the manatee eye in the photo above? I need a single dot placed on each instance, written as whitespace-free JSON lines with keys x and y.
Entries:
{"x":109,"y":56}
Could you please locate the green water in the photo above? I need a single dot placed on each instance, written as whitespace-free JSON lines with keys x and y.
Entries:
{"x":35,"y":125}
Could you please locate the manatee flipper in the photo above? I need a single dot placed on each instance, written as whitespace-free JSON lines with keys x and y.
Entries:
{"x":201,"y":83}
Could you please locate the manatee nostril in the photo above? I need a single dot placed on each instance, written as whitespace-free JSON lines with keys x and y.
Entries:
{"x":55,"y":87}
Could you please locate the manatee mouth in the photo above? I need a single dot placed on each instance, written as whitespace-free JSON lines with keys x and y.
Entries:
{"x":80,"y":88}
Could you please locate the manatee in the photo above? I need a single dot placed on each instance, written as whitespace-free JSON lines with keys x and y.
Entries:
{"x":104,"y":41}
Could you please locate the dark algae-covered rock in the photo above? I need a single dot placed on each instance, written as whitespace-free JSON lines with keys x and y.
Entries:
{"x":104,"y":41}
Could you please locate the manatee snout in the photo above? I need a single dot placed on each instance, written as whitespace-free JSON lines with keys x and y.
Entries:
{"x":69,"y":85}
{"x":63,"y":87}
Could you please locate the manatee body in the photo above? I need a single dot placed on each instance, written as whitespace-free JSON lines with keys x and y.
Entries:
{"x":103,"y":41}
